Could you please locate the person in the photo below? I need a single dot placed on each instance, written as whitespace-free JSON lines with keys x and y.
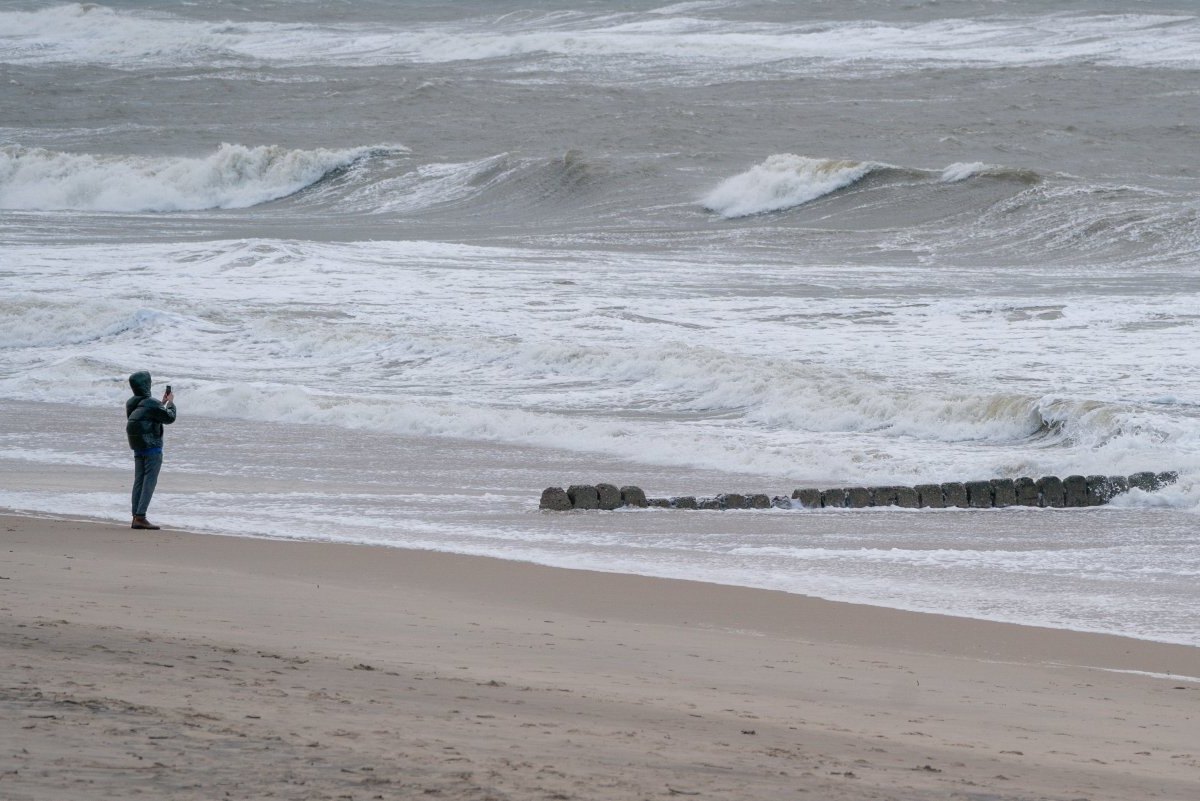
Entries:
{"x":145,"y":418}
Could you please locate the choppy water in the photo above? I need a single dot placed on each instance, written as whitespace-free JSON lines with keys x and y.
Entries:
{"x":697,"y":244}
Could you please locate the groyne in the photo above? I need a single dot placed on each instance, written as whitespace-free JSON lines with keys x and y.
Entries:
{"x":1048,"y":492}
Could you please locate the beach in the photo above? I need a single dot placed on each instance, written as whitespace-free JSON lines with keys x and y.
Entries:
{"x":187,"y":666}
{"x":408,"y":265}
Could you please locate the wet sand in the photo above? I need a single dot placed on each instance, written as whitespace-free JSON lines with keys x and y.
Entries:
{"x":174,"y":665}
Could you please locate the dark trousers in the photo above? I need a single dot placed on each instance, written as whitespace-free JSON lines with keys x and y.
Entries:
{"x":145,"y":477}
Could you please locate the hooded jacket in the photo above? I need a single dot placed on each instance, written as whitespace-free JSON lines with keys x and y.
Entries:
{"x":145,"y":415}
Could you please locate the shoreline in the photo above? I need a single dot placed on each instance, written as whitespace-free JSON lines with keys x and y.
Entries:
{"x":217,"y":664}
{"x":1067,"y":569}
{"x":858,"y":611}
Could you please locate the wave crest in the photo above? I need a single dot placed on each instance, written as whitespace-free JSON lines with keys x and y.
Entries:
{"x":783,"y":181}
{"x":961,"y":171}
{"x":235,"y":176}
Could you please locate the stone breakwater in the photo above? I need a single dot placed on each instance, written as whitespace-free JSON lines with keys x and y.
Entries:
{"x":1048,"y":492}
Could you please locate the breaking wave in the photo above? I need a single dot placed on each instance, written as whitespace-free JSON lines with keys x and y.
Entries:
{"x":495,"y":187}
{"x":233,"y":177}
{"x":961,"y":171}
{"x":785,"y":180}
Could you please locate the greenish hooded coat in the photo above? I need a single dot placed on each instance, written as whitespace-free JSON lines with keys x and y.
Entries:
{"x":146,"y":416}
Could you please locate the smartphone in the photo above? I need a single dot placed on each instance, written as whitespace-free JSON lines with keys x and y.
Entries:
{"x":168,"y":392}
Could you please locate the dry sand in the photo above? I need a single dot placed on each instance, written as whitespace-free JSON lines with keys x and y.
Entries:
{"x":170,"y":665}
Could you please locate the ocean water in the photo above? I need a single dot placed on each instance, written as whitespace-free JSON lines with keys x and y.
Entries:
{"x":406,"y":264}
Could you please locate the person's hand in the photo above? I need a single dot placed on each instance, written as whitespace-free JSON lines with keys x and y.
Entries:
{"x":167,"y":398}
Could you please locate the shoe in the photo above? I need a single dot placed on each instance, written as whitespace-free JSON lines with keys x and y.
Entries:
{"x":139,"y":521}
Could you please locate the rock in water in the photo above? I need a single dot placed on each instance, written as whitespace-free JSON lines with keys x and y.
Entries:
{"x":733,"y":500}
{"x":1004,"y":492}
{"x":929,"y":496}
{"x":884,"y":496}
{"x":833,"y":498}
{"x":633,"y":496}
{"x":857,"y":497}
{"x":979,"y":494}
{"x":1117,"y":485}
{"x":1099,"y":490}
{"x":1143,"y":481}
{"x":608,"y":496}
{"x":1050,"y":489}
{"x":1165,"y":479}
{"x":955,"y":493}
{"x":1027,"y":491}
{"x":808,"y":498}
{"x":1075,"y":491}
{"x":583,"y":496}
{"x":555,"y":499}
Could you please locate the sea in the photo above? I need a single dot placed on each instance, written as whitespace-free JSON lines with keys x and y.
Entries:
{"x":406,"y":264}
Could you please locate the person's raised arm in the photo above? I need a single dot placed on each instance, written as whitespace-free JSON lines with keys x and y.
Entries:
{"x":165,"y":412}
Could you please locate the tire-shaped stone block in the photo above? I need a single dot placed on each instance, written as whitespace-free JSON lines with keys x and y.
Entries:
{"x":1050,"y":488}
{"x":733,"y":500}
{"x":809,"y":498}
{"x":1143,"y":481}
{"x":1004,"y":492}
{"x":758,"y":501}
{"x":858,"y":497}
{"x":955,"y":494}
{"x":608,"y":496}
{"x":583,"y":496}
{"x":1099,"y":490}
{"x":833,"y":498}
{"x":883,"y":496}
{"x":1075,"y":492}
{"x":979,"y":494}
{"x":1165,"y":479}
{"x":1027,"y":492}
{"x":929,"y":496}
{"x":633,"y":496}
{"x":555,"y":499}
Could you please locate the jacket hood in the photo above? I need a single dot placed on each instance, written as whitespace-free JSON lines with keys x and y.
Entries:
{"x":140,"y":382}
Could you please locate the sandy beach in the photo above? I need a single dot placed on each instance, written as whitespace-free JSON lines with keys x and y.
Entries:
{"x":175,"y":665}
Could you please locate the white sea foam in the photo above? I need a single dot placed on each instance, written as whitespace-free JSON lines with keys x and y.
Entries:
{"x":497,"y":351}
{"x":235,"y":176}
{"x":781,"y":182}
{"x":95,"y":34}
